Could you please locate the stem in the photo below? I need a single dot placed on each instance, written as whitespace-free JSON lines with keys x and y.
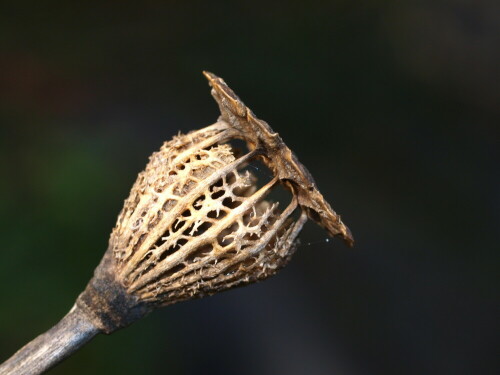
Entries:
{"x":47,"y":350}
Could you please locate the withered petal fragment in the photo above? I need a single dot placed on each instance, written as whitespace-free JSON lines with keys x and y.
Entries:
{"x":278,"y":157}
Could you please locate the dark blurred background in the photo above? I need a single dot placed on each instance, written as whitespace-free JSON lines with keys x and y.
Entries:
{"x":394,"y":108}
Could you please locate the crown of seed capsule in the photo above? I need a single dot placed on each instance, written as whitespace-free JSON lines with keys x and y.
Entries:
{"x":196,"y":222}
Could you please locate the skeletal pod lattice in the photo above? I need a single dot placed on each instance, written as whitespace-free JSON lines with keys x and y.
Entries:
{"x":197,"y":221}
{"x":196,"y":224}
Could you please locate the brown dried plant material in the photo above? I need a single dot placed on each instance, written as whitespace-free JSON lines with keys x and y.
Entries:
{"x":196,"y":222}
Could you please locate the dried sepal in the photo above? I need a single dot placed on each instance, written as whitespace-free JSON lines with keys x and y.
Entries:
{"x":278,"y":157}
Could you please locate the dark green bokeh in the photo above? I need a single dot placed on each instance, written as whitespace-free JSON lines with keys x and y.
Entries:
{"x":394,"y":109}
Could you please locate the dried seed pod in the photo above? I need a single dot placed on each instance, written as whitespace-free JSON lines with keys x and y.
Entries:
{"x":196,"y":222}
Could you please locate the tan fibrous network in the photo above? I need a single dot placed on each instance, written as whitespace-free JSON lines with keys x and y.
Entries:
{"x":194,"y":223}
{"x":198,"y":222}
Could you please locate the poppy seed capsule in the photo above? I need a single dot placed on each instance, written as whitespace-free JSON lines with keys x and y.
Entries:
{"x":197,"y":222}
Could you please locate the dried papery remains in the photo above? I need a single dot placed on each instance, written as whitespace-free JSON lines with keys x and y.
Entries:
{"x":198,"y":221}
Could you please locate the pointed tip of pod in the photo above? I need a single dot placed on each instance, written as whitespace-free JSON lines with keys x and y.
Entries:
{"x":227,"y":99}
{"x":208,"y":74}
{"x":347,"y":236}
